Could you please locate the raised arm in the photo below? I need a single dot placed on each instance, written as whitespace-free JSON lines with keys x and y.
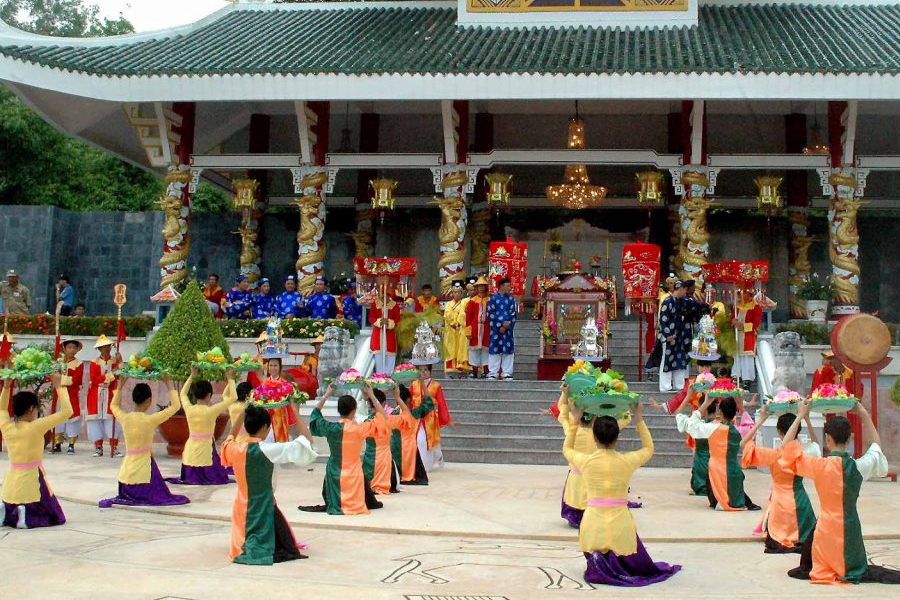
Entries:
{"x":174,"y":404}
{"x":802,"y":414}
{"x":229,"y":396}
{"x":812,"y":432}
{"x":65,"y":412}
{"x":4,"y":402}
{"x":115,"y":407}
{"x":186,"y":389}
{"x":640,"y":457}
{"x":576,"y":458}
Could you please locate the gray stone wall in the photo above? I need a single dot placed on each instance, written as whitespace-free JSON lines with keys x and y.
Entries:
{"x":98,"y":250}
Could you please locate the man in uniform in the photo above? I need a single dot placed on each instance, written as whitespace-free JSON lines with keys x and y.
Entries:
{"x":16,"y":297}
{"x":320,"y":304}
{"x":502,"y":315}
{"x":100,"y":394}
{"x":239,"y":300}
{"x":289,"y":303}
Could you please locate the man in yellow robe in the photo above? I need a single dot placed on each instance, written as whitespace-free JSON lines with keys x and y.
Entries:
{"x":456,"y":344}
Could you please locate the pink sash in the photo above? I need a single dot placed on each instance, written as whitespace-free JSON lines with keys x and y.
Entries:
{"x":606,"y":502}
{"x":25,"y":466}
{"x":575,"y":470}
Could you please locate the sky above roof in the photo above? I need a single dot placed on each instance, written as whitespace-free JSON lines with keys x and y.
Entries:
{"x":149,"y":15}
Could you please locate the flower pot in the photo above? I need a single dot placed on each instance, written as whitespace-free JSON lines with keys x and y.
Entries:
{"x":816,"y":310}
{"x":175,"y":431}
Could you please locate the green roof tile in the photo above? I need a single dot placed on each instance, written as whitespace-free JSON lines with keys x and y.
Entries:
{"x":770,"y":38}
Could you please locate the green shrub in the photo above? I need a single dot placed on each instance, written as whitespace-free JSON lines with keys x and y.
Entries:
{"x":81,"y":326}
{"x":810,"y":333}
{"x":293,"y":328}
{"x":815,"y":289}
{"x":189,"y":328}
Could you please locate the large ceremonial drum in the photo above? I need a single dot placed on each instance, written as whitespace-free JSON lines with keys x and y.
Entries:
{"x":862,"y":339}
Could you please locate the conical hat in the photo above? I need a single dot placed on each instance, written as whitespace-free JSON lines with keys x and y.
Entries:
{"x":481,"y":281}
{"x":103,"y":341}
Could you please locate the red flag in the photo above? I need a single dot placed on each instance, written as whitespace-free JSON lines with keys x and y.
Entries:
{"x":57,"y":348}
{"x":5,"y":347}
{"x":120,"y":332}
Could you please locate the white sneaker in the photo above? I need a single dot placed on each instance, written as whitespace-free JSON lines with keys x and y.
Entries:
{"x":20,"y":524}
{"x":507,"y":378}
{"x":492,"y":377}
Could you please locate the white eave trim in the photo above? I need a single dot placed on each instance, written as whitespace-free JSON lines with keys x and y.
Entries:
{"x":269,"y":87}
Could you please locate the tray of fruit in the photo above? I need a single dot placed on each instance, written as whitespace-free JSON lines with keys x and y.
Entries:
{"x":405,"y":373}
{"x":380,"y":381}
{"x":31,"y":365}
{"x":579,"y":376}
{"x":831,"y":398}
{"x":609,"y":396}
{"x":785,"y":401}
{"x":212,"y":360}
{"x":245,"y":364}
{"x":723,"y":388}
{"x":277,"y":394}
{"x":142,"y":366}
{"x":703,"y":382}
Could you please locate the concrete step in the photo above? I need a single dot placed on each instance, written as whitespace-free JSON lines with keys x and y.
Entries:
{"x":479,"y":416}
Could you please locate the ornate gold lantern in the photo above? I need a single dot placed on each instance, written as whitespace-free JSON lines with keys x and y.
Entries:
{"x":245,"y":193}
{"x":498,"y":190}
{"x":768,"y":197}
{"x":650,"y":192}
{"x":384,"y":193}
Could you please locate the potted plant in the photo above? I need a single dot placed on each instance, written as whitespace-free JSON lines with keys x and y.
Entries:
{"x":189,"y":328}
{"x":817,"y":293}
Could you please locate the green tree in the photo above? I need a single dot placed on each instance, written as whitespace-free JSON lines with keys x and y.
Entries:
{"x":40,"y":165}
{"x":189,"y":328}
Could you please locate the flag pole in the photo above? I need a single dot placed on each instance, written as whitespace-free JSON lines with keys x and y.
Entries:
{"x":119,"y":299}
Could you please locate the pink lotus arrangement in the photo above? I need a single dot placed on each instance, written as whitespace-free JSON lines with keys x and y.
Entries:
{"x":406,"y":367}
{"x":786,"y":397}
{"x":705,"y":378}
{"x":350,"y":376}
{"x":830,"y":390}
{"x":275,"y":394}
{"x":724,"y":385}
{"x":380,"y":380}
{"x":405,"y":373}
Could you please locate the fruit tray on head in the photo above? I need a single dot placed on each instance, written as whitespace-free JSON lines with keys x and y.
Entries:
{"x":380,"y":381}
{"x":142,"y":366}
{"x":405,"y":373}
{"x":31,"y":365}
{"x":785,"y":401}
{"x":606,"y":403}
{"x":578,"y":382}
{"x":212,"y":360}
{"x":832,"y":405}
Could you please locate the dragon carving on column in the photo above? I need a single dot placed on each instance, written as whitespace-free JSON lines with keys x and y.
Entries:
{"x":176,"y":228}
{"x":245,"y":201}
{"x":452,"y":232}
{"x":693,"y":247}
{"x":362,"y":237}
{"x":481,"y":240}
{"x":311,"y":234}
{"x":799,"y":267}
{"x":843,"y":247}
{"x":675,"y":238}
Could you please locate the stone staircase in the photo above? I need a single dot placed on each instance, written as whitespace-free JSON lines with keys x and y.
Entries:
{"x":500,"y":422}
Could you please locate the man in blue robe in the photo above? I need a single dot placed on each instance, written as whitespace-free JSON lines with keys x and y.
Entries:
{"x":351,"y":308}
{"x":501,"y":310}
{"x":289,"y":303}
{"x":320,"y":304}
{"x":675,"y":336}
{"x":263,"y":301}
{"x":239,"y":300}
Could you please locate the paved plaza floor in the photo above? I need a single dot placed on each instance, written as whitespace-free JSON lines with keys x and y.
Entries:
{"x":479,"y":530}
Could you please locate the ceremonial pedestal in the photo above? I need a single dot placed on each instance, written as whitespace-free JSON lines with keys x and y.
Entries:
{"x":552,"y":368}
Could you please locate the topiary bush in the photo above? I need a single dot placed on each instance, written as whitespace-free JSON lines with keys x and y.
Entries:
{"x":189,"y":328}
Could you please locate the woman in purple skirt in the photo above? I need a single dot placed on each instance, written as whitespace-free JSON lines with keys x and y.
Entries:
{"x":200,"y":463}
{"x":614,"y":552}
{"x":27,"y":499}
{"x":140,"y":482}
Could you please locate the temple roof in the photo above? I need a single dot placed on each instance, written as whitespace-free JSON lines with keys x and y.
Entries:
{"x":391,"y":38}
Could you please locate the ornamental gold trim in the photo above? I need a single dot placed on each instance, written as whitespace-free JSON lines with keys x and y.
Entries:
{"x":531,"y":6}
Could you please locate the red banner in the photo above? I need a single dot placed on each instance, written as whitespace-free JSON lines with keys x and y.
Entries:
{"x":640,"y":271}
{"x":396,"y":267}
{"x":509,"y":260}
{"x":741,"y":273}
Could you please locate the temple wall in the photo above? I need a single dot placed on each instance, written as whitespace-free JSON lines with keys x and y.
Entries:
{"x":101,"y":249}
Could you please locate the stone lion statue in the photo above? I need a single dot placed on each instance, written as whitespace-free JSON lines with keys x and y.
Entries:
{"x":790,"y":372}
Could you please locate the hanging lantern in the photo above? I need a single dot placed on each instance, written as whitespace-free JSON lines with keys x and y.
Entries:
{"x":384,"y":193}
{"x":498,"y":190}
{"x":650,"y":192}
{"x":245,"y":193}
{"x":768,"y":196}
{"x":576,"y":191}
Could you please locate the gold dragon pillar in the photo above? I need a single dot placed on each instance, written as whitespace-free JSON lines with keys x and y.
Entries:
{"x":480,"y":235}
{"x":693,"y":245}
{"x":452,"y":233}
{"x":798,"y":265}
{"x":843,"y":246}
{"x":245,"y":203}
{"x":311,"y":234}
{"x":176,"y":230}
{"x":363,"y":240}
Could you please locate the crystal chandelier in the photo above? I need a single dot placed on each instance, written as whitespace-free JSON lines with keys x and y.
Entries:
{"x":576,"y":191}
{"x":816,"y":147}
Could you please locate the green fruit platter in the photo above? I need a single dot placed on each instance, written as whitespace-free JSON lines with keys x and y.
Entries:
{"x":277,"y":394}
{"x":380,"y":381}
{"x":601,"y":401}
{"x":212,"y":360}
{"x":142,"y":366}
{"x":245,"y":364}
{"x":723,"y":388}
{"x":785,"y":401}
{"x":405,"y":373}
{"x":31,"y":365}
{"x":831,"y":398}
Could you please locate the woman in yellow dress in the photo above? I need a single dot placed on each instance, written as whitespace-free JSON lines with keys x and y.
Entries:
{"x":200,"y":464}
{"x":614,"y":553}
{"x":456,"y":344}
{"x":574,"y":499}
{"x":28,"y":501}
{"x":140,"y":482}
